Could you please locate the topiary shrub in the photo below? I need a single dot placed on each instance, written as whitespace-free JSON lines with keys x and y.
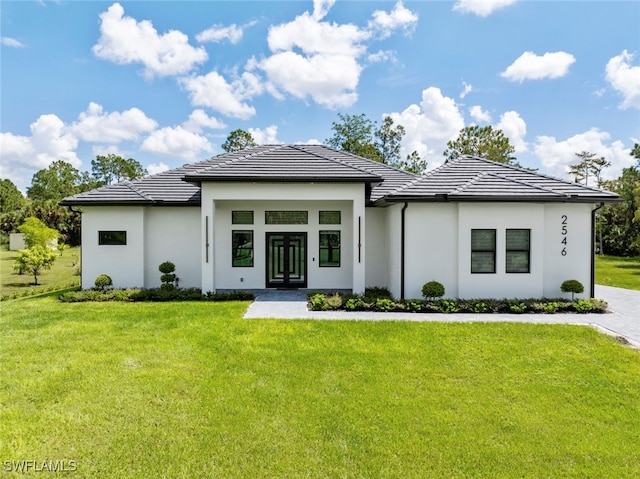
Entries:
{"x":168,"y":278}
{"x":103,"y":281}
{"x":572,"y":286}
{"x":432,"y":290}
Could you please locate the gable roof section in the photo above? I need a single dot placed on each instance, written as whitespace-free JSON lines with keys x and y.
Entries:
{"x":470,"y":178}
{"x":269,"y":163}
{"x":283,"y":163}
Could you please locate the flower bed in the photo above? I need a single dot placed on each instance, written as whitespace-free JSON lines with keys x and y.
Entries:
{"x":380,"y":300}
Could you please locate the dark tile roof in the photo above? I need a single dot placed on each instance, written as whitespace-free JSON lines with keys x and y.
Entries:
{"x":470,"y":178}
{"x":465,"y":179}
{"x":269,"y":163}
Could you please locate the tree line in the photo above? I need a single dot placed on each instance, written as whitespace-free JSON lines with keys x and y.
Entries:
{"x":618,"y":224}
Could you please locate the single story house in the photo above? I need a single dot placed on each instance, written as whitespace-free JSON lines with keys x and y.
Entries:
{"x":309,"y":216}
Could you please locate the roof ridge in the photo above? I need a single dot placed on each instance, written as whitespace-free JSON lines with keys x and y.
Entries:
{"x":419,"y":178}
{"x":529,"y":172}
{"x":473,"y":180}
{"x":527,"y":184}
{"x":132,"y":187}
{"x":334,"y":160}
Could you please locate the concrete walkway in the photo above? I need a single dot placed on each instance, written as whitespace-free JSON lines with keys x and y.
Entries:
{"x":623,"y":319}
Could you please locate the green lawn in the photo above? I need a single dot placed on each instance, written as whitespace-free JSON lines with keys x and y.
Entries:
{"x":617,"y":271}
{"x":192,"y":390}
{"x":61,"y":275}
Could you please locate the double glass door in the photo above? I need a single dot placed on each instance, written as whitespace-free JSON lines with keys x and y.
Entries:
{"x":286,"y":260}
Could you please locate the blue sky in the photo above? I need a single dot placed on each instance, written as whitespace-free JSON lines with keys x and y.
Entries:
{"x":165,"y":82}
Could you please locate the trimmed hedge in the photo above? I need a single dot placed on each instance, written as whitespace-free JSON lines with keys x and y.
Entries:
{"x":350,"y":302}
{"x":152,"y":295}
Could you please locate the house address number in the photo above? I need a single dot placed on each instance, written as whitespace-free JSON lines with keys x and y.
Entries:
{"x":564,"y":236}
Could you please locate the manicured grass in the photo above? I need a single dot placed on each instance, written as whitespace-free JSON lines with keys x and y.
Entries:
{"x":61,"y":275}
{"x":192,"y":390}
{"x":617,"y":271}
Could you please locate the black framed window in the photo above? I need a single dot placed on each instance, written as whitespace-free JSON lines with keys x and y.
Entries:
{"x":330,"y":249}
{"x":242,"y":248}
{"x":286,"y":217}
{"x":242,"y":217}
{"x":330,"y":218}
{"x":518,"y":251}
{"x":112,"y":238}
{"x":483,"y":251}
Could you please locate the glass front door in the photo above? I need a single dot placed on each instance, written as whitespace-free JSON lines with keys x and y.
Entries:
{"x":286,"y":260}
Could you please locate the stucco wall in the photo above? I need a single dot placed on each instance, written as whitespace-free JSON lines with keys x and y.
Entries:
{"x":124,"y":264}
{"x":377,"y":253}
{"x":438,"y":247}
{"x":172,"y":234}
{"x":500,"y":217}
{"x":229,"y":277}
{"x":575,"y":264}
{"x":431,"y":247}
{"x":219,"y":199}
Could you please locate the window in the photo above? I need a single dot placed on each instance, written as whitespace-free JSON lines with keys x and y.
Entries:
{"x":329,"y":217}
{"x":483,"y":251}
{"x":286,"y":217}
{"x":330,"y":249}
{"x":242,"y":248}
{"x":242,"y":217}
{"x":518,"y":251}
{"x":112,"y":238}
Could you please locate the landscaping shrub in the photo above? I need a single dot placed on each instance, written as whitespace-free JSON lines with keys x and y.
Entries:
{"x":477,"y":306}
{"x":354,"y":304}
{"x":376,"y":292}
{"x":318,"y":302}
{"x":334,"y":301}
{"x":572,"y":286}
{"x":432,"y":290}
{"x":385,"y":304}
{"x":103,"y":281}
{"x":153,"y":294}
{"x":448,"y":306}
{"x":517,"y":307}
{"x":168,"y":277}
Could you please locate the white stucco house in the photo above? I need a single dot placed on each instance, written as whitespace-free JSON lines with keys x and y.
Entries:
{"x":308,"y":216}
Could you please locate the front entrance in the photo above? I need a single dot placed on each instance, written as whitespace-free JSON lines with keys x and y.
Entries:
{"x":286,"y":260}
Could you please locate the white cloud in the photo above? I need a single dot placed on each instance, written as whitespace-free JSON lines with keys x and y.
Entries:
{"x":11,"y":42}
{"x":50,"y":140}
{"x":124,"y":40}
{"x":96,"y":126}
{"x":479,"y":115}
{"x":155,"y":168}
{"x":530,"y":66}
{"x":268,"y":136}
{"x":212,"y":90}
{"x":321,"y":8}
{"x":198,"y":120}
{"x":177,"y":143}
{"x":312,"y":36}
{"x":219,"y":33}
{"x":105,"y":150}
{"x":320,"y":60}
{"x":383,"y":56}
{"x":556,"y":156}
{"x":429,"y":126}
{"x":481,"y":8}
{"x":625,"y":79}
{"x":466,"y":90}
{"x":514,"y":128}
{"x":399,"y":18}
{"x":330,"y":80}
